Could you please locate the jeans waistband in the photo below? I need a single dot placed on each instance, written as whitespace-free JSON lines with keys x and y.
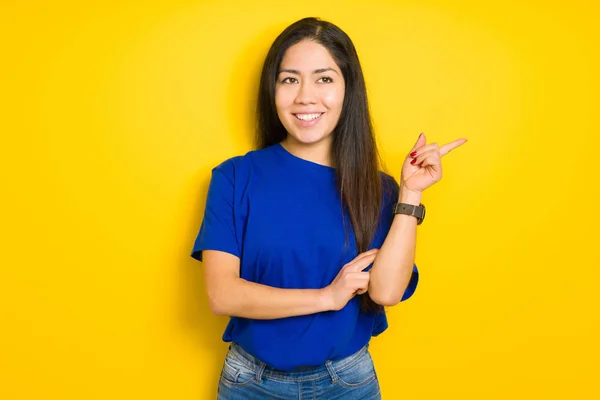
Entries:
{"x":301,"y":373}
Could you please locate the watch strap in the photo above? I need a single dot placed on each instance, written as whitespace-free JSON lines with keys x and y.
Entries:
{"x":411,"y":209}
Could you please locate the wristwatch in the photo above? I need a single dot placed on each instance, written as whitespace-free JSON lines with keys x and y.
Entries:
{"x":411,"y":209}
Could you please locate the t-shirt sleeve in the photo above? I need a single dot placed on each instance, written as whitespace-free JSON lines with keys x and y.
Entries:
{"x":412,"y":284}
{"x":391,"y":190}
{"x":217,"y":231}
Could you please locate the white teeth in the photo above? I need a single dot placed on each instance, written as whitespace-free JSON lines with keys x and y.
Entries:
{"x":308,"y":117}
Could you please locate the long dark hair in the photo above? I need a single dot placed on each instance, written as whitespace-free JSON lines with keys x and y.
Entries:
{"x":354,"y":151}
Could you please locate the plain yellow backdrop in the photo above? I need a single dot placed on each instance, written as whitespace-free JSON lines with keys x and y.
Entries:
{"x":113,"y":114}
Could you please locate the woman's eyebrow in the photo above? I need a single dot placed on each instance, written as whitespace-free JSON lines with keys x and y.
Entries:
{"x":316,"y":71}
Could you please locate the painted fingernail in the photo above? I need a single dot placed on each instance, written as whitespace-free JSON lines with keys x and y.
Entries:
{"x":414,"y":153}
{"x":413,"y":161}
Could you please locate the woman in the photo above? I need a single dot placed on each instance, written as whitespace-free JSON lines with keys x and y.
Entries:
{"x":301,"y":243}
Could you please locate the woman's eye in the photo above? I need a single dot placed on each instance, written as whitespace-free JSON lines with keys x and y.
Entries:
{"x":324,"y":79}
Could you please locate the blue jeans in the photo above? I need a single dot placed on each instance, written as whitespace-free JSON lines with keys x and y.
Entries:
{"x":244,"y":377}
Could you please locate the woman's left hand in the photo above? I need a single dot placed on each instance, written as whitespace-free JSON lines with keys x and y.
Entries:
{"x":422,"y":167}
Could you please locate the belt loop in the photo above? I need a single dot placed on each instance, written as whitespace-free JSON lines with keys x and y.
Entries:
{"x":260,"y":369}
{"x":331,"y":371}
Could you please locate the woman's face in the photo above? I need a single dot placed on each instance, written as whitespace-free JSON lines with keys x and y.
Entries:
{"x":309,"y":93}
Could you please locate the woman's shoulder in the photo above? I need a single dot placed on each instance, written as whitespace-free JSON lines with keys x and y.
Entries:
{"x":241,"y":164}
{"x":388,"y":181}
{"x":390,"y":188}
{"x":385,"y":177}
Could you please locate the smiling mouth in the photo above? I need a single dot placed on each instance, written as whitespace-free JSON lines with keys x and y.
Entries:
{"x":308,"y":117}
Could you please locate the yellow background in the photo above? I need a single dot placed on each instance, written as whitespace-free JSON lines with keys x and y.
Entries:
{"x":113,"y":115}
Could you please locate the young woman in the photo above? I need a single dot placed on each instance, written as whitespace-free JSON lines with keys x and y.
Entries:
{"x":302,"y":242}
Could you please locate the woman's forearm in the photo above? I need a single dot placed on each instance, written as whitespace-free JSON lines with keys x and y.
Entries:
{"x":242,"y":298}
{"x":393,"y":265}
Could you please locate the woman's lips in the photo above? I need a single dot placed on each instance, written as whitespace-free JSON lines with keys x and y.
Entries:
{"x":310,"y":122}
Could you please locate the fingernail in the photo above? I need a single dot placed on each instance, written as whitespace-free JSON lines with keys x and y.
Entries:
{"x":414,"y":153}
{"x":413,"y":161}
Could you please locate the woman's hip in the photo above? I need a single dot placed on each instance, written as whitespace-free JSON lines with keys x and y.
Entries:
{"x":245,"y":377}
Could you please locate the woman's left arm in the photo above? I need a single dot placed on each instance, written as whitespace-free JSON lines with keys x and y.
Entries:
{"x":393,"y":266}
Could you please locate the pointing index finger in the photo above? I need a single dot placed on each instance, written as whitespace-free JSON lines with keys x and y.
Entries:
{"x":363,"y":262}
{"x":447,"y":148}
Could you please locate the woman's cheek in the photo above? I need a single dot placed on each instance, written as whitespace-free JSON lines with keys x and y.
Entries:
{"x":333,"y":98}
{"x":284,"y":97}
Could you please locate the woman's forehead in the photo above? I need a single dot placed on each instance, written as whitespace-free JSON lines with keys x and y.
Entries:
{"x":307,"y":57}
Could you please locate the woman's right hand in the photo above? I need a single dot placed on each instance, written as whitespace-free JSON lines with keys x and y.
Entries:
{"x":350,"y":281}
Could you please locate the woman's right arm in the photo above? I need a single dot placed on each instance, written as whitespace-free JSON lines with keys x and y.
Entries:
{"x":228,"y":294}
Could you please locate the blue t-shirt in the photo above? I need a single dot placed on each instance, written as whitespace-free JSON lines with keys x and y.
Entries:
{"x":281,"y":215}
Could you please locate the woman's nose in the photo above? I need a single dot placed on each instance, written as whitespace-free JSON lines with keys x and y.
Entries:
{"x":306,"y":94}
